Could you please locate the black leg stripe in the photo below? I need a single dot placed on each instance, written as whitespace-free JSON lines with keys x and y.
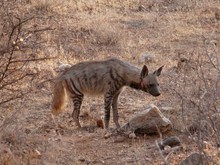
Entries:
{"x":72,"y":83}
{"x":77,"y":97}
{"x":71,"y":88}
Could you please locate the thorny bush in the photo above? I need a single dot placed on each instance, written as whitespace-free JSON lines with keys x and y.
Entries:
{"x":20,"y":44}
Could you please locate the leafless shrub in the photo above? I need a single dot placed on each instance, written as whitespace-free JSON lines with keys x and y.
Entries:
{"x":197,"y":87}
{"x":20,"y":43}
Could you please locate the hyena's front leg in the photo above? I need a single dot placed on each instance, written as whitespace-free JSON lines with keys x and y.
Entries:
{"x":115,"y":109}
{"x":77,"y":101}
{"x":108,"y":102}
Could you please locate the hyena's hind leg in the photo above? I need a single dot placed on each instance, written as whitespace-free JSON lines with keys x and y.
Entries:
{"x":77,"y":102}
{"x":115,"y":109}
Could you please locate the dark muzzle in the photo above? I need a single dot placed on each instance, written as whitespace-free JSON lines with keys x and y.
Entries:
{"x":154,"y":92}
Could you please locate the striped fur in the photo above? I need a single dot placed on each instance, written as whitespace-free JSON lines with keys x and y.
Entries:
{"x":101,"y":77}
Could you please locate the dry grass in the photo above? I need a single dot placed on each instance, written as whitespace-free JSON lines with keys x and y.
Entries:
{"x":91,"y":30}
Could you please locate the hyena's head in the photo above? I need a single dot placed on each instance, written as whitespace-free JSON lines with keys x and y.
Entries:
{"x":149,"y":81}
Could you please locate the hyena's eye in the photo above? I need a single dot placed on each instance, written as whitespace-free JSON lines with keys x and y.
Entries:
{"x":151,"y":85}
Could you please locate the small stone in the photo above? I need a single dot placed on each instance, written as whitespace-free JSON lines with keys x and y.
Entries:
{"x":130,"y":160}
{"x":132,"y":135}
{"x":167,"y":148}
{"x":37,"y":152}
{"x":81,"y":159}
{"x":170,"y":141}
{"x":217,"y":15}
{"x":100,"y":123}
{"x":146,"y":58}
{"x":196,"y":159}
{"x":27,"y":131}
{"x":119,"y":139}
{"x":167,"y":108}
{"x":141,"y":8}
{"x":21,"y":39}
{"x":107,"y":135}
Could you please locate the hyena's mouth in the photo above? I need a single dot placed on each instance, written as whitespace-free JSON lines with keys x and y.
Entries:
{"x":156,"y":94}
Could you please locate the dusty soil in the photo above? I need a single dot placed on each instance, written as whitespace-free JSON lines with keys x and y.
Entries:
{"x":169,"y":31}
{"x":32,"y":130}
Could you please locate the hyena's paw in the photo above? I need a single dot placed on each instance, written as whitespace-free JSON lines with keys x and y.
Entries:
{"x":107,"y":135}
{"x":78,"y":125}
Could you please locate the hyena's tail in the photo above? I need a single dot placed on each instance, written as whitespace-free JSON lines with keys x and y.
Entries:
{"x":59,"y":97}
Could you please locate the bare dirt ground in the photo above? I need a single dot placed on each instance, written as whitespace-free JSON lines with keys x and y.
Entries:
{"x":87,"y":30}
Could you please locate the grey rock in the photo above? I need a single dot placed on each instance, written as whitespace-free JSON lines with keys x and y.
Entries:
{"x":171,"y":141}
{"x":149,"y":121}
{"x":196,"y":159}
{"x":146,"y":58}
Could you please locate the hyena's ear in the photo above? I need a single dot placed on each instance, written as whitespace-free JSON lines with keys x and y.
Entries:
{"x":144,"y":72}
{"x":158,"y":71}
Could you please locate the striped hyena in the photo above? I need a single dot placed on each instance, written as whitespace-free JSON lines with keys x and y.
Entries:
{"x":101,"y":77}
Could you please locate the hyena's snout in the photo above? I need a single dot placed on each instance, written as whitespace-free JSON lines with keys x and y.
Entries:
{"x":154,"y":91}
{"x":157,"y":94}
